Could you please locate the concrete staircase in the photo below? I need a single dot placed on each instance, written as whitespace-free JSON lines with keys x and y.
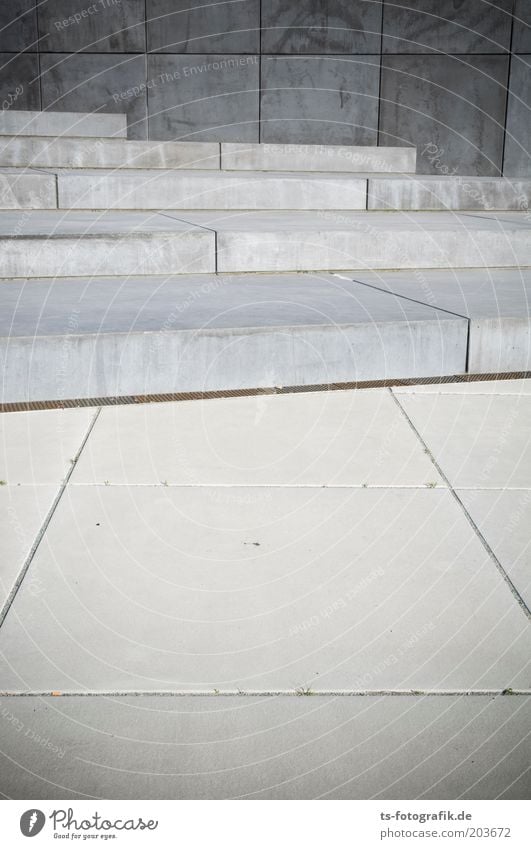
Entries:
{"x":131,"y":267}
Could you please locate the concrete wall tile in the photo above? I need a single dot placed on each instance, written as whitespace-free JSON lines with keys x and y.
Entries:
{"x":321,"y":26}
{"x":100,"y":26}
{"x":178,"y":26}
{"x":517,"y":160}
{"x":18,"y":25}
{"x":19,"y":81}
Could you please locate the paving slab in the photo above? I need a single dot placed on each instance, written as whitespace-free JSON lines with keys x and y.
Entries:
{"x":78,"y":338}
{"x":496,"y":301}
{"x":63,"y":152}
{"x":327,"y":240}
{"x":22,"y":512}
{"x":479,"y":441}
{"x":27,"y":190}
{"x":285,"y":748}
{"x":504,"y":518}
{"x":62,"y":244}
{"x":23,"y":123}
{"x":313,"y":439}
{"x":171,"y":588}
{"x":206,"y":190}
{"x":453,"y":192}
{"x":521,"y":386}
{"x":38,"y":448}
{"x":317,"y":157}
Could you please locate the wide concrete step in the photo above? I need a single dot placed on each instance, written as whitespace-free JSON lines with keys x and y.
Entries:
{"x":75,"y":338}
{"x":27,"y":189}
{"x":436,"y":193}
{"x":208,"y":190}
{"x":34,"y":152}
{"x":59,"y":244}
{"x":308,"y":157}
{"x":74,"y":124}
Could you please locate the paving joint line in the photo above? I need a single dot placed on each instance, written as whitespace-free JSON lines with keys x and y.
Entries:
{"x":299,"y":693}
{"x":497,"y":563}
{"x":44,"y":527}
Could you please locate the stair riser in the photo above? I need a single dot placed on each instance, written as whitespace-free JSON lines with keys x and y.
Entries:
{"x":328,"y":158}
{"x":27,"y":191}
{"x":452,"y":194}
{"x":66,"y":124}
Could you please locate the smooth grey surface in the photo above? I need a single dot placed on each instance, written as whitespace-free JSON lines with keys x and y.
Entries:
{"x":504,"y":518}
{"x":496,"y":301}
{"x":451,"y":107}
{"x":154,"y":588}
{"x":522,"y":27}
{"x":205,"y":190}
{"x":112,"y":26}
{"x":411,"y":747}
{"x":105,"y":153}
{"x":19,"y":122}
{"x":207,"y":97}
{"x":176,"y":26}
{"x":448,"y":26}
{"x":57,"y":223}
{"x":479,"y":441}
{"x":317,"y":157}
{"x":517,"y":158}
{"x":27,"y":191}
{"x":321,"y":26}
{"x":97,"y":82}
{"x":138,"y":336}
{"x":18,"y":25}
{"x":19,"y":81}
{"x":319,"y":99}
{"x":452,"y":192}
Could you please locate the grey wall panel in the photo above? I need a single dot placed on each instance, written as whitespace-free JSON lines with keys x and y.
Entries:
{"x":321,"y":26}
{"x":179,"y":26}
{"x":320,"y":99}
{"x":18,"y":25}
{"x":19,"y":81}
{"x":90,"y":82}
{"x":97,"y":27}
{"x":450,"y":26}
{"x":522,"y":27}
{"x":452,"y":108}
{"x":518,"y":139}
{"x":210,"y":97}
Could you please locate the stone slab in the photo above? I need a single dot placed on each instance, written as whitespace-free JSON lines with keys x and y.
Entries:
{"x":164,"y":588}
{"x":504,"y":518}
{"x":517,"y":158}
{"x":480,"y":441}
{"x":133,"y":336}
{"x":65,"y":244}
{"x":341,"y":438}
{"x":323,"y":28}
{"x":18,"y":25}
{"x":27,"y":190}
{"x":329,"y":240}
{"x":495,"y":301}
{"x":410,"y":747}
{"x":430,"y":192}
{"x":70,"y":26}
{"x":317,"y":157}
{"x":106,"y":153}
{"x":197,"y":190}
{"x":19,"y":81}
{"x":66,"y":124}
{"x":175,"y":26}
{"x":520,"y":386}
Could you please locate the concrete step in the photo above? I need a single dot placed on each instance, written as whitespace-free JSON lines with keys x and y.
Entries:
{"x":308,"y":157}
{"x":460,"y":193}
{"x":304,"y":241}
{"x":18,"y":122}
{"x":63,"y":244}
{"x":207,"y":190}
{"x":75,"y":338}
{"x":27,"y":189}
{"x":34,"y":152}
{"x":496,"y":302}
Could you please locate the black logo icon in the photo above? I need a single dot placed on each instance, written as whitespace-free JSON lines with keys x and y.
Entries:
{"x":31,"y":822}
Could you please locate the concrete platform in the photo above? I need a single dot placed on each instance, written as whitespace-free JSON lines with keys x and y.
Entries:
{"x":307,"y":157}
{"x":455,"y":192}
{"x":208,"y":190}
{"x":18,"y":122}
{"x":27,"y":190}
{"x":62,"y":152}
{"x":63,"y":244}
{"x":71,"y":338}
{"x":302,"y":241}
{"x":496,"y":302}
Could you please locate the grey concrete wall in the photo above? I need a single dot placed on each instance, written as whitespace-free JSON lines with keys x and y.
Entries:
{"x":451,"y":76}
